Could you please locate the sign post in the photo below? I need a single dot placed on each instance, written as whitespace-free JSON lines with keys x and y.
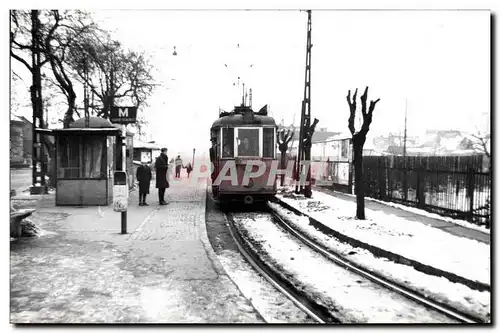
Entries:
{"x":124,"y":168}
{"x":120,"y":196}
{"x":123,"y":116}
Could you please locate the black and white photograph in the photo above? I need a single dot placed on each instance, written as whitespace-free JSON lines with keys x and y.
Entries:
{"x":294,"y":166}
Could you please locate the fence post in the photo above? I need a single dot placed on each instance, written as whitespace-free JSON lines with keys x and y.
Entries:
{"x":420,"y":189}
{"x":470,"y":192}
{"x":381,"y":179}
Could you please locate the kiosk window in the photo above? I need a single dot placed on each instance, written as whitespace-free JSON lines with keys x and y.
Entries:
{"x":268,"y":145}
{"x":248,"y":142}
{"x":228,"y":142}
{"x":68,"y":157}
{"x":81,"y":157}
{"x":94,"y":157}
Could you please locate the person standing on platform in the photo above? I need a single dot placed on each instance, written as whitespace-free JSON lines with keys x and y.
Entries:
{"x":161,"y":166}
{"x":143,"y":176}
{"x":178,"y":166}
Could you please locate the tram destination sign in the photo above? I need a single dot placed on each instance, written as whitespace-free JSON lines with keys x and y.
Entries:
{"x":123,"y":115}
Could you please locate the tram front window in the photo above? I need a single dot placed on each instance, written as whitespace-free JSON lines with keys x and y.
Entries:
{"x":269,"y":145}
{"x":248,"y":142}
{"x":228,"y":142}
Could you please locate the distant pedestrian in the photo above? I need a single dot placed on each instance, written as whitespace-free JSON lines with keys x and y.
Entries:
{"x":144,"y":176}
{"x":161,"y":166}
{"x":189,"y":168}
{"x":178,"y":166}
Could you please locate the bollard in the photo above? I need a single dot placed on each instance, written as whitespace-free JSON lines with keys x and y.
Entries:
{"x":124,"y":222}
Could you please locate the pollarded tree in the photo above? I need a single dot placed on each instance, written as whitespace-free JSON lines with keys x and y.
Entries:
{"x":358,"y":141}
{"x":284,"y":139}
{"x":307,"y":143}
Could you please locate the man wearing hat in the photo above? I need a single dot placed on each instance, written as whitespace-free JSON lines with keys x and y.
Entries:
{"x":161,"y":166}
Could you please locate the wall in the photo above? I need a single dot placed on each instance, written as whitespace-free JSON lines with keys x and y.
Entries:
{"x":16,"y":143}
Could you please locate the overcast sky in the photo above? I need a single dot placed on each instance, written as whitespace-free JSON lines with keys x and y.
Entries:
{"x":439,"y":61}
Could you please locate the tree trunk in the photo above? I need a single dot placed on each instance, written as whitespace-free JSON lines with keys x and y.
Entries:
{"x":68,"y":116}
{"x":358,"y":143}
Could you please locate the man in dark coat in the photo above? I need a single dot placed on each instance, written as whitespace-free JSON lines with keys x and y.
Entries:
{"x":144,"y":176}
{"x":161,"y":166}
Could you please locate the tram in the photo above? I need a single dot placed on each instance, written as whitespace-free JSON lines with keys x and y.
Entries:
{"x":241,"y":139}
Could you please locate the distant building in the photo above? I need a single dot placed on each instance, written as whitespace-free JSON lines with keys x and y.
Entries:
{"x":145,"y":151}
{"x":320,"y":136}
{"x":433,"y":142}
{"x":21,"y":138}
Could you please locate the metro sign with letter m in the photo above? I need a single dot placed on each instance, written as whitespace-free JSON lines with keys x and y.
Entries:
{"x":123,"y":115}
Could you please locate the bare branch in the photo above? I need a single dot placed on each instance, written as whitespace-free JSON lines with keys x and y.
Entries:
{"x":352,"y":110}
{"x":372,"y":106}
{"x":482,"y":144}
{"x":17,"y":75}
{"x":21,"y":60}
{"x":289,"y":136}
{"x":363,"y":103}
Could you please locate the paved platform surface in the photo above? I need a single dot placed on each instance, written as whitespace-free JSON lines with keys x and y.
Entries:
{"x":83,"y":270}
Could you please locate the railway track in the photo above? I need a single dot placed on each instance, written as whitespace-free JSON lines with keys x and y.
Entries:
{"x":387,"y":254}
{"x":319,"y":312}
{"x":300,"y":299}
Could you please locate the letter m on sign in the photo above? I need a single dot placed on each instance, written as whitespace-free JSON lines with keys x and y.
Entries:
{"x":123,"y":112}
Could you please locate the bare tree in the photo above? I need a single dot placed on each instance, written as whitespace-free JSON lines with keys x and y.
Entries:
{"x":307,"y":143}
{"x":111,"y":73}
{"x":358,"y":141}
{"x":57,"y":32}
{"x":77,"y":51}
{"x":62,"y":32}
{"x":481,"y":143}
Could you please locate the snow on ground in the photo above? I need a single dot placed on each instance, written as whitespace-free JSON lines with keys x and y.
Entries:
{"x":425,"y":213}
{"x":454,"y":294}
{"x":355,"y":299}
{"x":433,"y":215}
{"x":427,"y":245}
{"x":273,"y":306}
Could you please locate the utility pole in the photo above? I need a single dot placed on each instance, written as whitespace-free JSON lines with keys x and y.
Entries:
{"x":243,"y":96}
{"x":38,"y":165}
{"x":250,"y":99}
{"x":405,"y":183}
{"x":86,"y":94}
{"x":305,"y":119}
{"x":404,"y":138}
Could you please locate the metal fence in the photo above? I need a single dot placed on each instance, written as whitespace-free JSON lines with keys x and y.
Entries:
{"x":455,"y":186}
